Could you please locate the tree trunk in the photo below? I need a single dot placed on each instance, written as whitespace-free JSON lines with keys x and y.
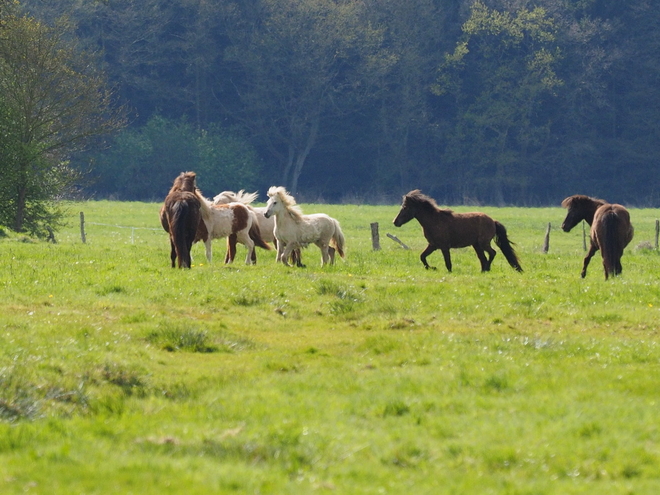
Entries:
{"x":302,"y":156}
{"x":20,"y":209}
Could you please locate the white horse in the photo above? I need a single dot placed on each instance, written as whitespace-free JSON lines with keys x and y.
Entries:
{"x":266,"y":225}
{"x":233,"y":219}
{"x":294,"y":230}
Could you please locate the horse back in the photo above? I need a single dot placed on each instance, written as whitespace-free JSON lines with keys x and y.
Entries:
{"x":456,"y":230}
{"x":612,"y":221}
{"x":227,"y":219}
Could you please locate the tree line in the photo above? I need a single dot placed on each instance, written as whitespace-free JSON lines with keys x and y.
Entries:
{"x":486,"y":101}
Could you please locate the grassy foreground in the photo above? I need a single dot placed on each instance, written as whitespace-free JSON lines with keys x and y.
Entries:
{"x":119,"y":374}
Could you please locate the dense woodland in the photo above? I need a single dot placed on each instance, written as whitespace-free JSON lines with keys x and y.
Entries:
{"x":491,"y":102}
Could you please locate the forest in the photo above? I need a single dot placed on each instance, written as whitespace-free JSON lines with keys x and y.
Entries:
{"x":498,"y":102}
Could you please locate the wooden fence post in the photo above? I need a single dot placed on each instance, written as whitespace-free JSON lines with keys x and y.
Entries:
{"x":397,"y":240}
{"x":375,"y":236}
{"x":546,"y":241}
{"x":82,"y":227}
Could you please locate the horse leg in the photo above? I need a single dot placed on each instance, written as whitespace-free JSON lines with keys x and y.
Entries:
{"x":231,"y":249}
{"x":280,"y":251}
{"x":331,"y":252}
{"x":286,"y":253}
{"x":592,"y":250}
{"x":491,"y":254}
{"x":485,"y":264}
{"x":249,"y":244}
{"x":429,"y":249}
{"x":209,"y":250}
{"x":325,"y":257}
{"x":173,"y":253}
{"x":296,"y":258}
{"x":447,"y":257}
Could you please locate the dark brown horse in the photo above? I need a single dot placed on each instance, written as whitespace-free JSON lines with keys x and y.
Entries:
{"x":445,"y":229}
{"x":611,"y":230}
{"x":180,"y":216}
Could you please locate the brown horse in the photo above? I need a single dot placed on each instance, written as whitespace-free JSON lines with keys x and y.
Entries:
{"x":445,"y":229}
{"x":180,"y":216}
{"x":611,"y":230}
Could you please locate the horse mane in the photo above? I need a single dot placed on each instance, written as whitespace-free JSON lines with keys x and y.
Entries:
{"x":233,"y":197}
{"x":184,"y":182}
{"x":288,"y":200}
{"x":579,"y":200}
{"x":415,"y":198}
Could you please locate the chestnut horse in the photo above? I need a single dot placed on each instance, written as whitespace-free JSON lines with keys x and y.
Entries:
{"x":233,"y":219}
{"x":266,"y":225}
{"x":611,"y":230}
{"x":445,"y":229}
{"x":180,"y":216}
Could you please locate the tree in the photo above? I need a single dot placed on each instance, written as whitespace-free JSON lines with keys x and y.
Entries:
{"x":53,"y":100}
{"x":297,"y":60}
{"x":142,"y":162}
{"x":498,"y":77}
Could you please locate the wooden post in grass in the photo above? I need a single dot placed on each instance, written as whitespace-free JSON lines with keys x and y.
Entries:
{"x":375,"y":237}
{"x":397,"y":240}
{"x":657,"y":232}
{"x":82,"y":227}
{"x":584,"y":237}
{"x":546,"y":241}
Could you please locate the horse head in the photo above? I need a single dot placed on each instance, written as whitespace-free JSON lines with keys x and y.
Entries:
{"x":580,"y":207}
{"x":409,"y":207}
{"x":184,"y":182}
{"x":278,"y":200}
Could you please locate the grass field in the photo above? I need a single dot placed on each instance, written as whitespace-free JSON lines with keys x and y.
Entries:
{"x":121,"y":375}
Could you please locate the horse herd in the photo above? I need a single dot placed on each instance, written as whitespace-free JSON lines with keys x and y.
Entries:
{"x":189,"y":217}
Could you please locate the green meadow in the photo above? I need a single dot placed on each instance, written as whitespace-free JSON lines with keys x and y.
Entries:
{"x":119,"y":374}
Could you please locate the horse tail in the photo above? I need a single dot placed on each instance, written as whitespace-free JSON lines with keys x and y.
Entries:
{"x":179,"y":215}
{"x":204,"y":206}
{"x":611,"y":248}
{"x":338,"y":239}
{"x":506,"y":246}
{"x":255,"y":235}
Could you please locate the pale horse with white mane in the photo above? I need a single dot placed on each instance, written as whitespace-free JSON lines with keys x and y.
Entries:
{"x":266,"y":225}
{"x":293,"y":230}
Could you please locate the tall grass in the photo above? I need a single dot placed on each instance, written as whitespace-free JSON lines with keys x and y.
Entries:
{"x":119,"y":374}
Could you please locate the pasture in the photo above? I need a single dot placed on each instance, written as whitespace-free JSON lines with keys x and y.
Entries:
{"x":119,"y":374}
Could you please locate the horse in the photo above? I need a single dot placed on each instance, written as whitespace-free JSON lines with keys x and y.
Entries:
{"x":225,"y":220}
{"x":180,"y":216}
{"x":266,"y":225}
{"x":293,"y":230}
{"x":611,"y":230}
{"x":445,"y":229}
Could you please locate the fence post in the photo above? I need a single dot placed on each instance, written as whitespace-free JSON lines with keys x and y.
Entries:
{"x":82,"y":227}
{"x":546,"y":241}
{"x":657,"y":232}
{"x":375,"y":236}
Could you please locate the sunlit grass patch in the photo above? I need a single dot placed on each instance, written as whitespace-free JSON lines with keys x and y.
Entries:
{"x":174,"y":338}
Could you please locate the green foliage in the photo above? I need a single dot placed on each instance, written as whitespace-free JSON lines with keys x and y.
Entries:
{"x":53,"y":100}
{"x":143,"y":162}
